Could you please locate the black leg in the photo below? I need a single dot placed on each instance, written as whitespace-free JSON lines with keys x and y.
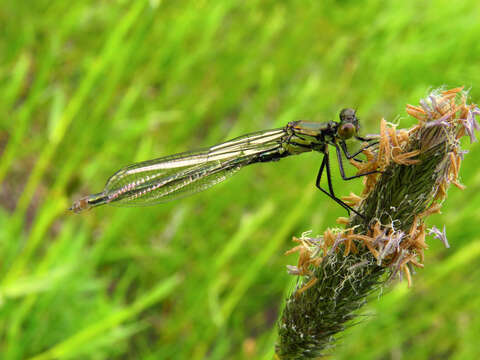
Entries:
{"x":320,"y":172}
{"x":330,"y":193}
{"x":340,"y":164}
{"x":349,"y":156}
{"x":367,"y":139}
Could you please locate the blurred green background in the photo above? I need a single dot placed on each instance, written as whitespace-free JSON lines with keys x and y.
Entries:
{"x":87,"y":87}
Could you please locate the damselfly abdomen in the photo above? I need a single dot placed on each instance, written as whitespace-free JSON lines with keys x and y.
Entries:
{"x":172,"y":177}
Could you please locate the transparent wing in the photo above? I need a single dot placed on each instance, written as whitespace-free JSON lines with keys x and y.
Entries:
{"x":176,"y":176}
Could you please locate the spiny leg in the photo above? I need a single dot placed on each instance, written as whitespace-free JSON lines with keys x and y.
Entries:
{"x":340,"y":164}
{"x":375,"y":137}
{"x":331,"y":194}
{"x":349,"y":156}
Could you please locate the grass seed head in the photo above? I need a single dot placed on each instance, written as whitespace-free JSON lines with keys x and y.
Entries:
{"x":343,"y":266}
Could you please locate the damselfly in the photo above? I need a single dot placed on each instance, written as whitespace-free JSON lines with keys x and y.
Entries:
{"x":171,"y":177}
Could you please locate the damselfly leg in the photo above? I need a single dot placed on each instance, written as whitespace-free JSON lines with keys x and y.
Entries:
{"x":326,"y":165}
{"x":349,"y":156}
{"x":342,"y":171}
{"x":331,"y":193}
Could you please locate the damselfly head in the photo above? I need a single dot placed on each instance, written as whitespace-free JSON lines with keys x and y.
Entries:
{"x":348,"y":126}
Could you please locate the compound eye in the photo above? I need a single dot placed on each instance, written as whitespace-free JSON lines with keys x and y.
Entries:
{"x":346,"y":131}
{"x":347,"y":114}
